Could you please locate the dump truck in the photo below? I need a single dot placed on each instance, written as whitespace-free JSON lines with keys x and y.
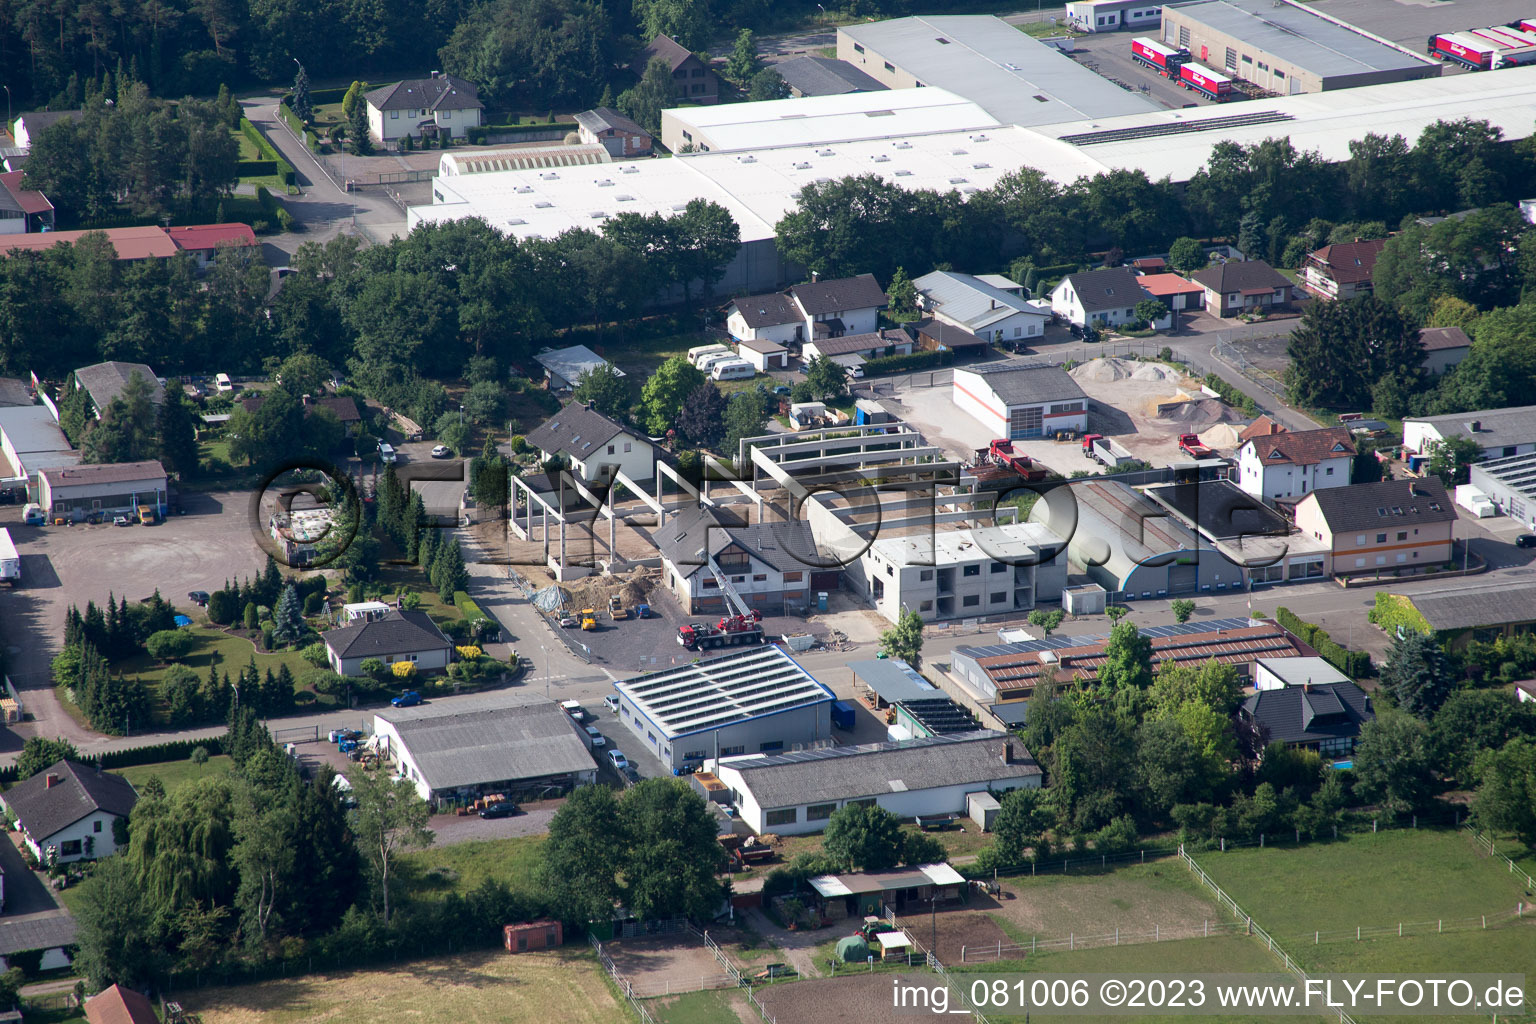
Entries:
{"x":1105,"y":450}
{"x":1165,"y":60}
{"x":1201,"y":79}
{"x":589,"y":618}
{"x":1194,"y":447}
{"x":616,"y":609}
{"x":10,"y":560}
{"x":1001,"y":453}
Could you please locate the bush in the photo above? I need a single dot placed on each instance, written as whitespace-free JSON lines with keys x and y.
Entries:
{"x":221,"y":608}
{"x":901,"y":364}
{"x":402,"y":670}
{"x":324,"y":681}
{"x":169,"y":645}
{"x":266,"y":636}
{"x":264,"y":147}
{"x":373,"y":668}
{"x":314,"y":602}
{"x":518,"y":444}
{"x":470,"y":652}
{"x":316,"y":654}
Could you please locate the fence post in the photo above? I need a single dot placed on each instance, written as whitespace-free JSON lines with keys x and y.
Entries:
{"x":1373,"y":824}
{"x":1223,"y":844}
{"x":1072,"y":940}
{"x":1261,"y":840}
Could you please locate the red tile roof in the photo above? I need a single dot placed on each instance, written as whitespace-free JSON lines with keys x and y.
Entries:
{"x":1302,"y":447}
{"x":1261,"y":427}
{"x":131,"y":243}
{"x":1348,"y":262}
{"x":118,"y":1005}
{"x":208,"y":236}
{"x":30,"y":201}
{"x":1169,"y":284}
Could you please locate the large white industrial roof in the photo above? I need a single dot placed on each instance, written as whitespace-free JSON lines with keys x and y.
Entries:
{"x":721,"y":691}
{"x":891,"y":113}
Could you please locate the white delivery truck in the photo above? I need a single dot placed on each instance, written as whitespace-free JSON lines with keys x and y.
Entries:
{"x":10,"y":561}
{"x":1475,"y":501}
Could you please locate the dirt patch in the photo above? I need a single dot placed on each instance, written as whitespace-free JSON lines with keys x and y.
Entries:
{"x":1133,"y":899}
{"x":852,"y":998}
{"x":958,"y":929}
{"x":652,"y":965}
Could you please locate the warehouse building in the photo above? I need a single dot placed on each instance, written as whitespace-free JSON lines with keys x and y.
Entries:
{"x":1499,"y":433}
{"x":1511,"y":485}
{"x":1021,"y":401}
{"x":1015,"y":78}
{"x":1466,"y":611}
{"x":520,"y":744}
{"x":755,"y":700}
{"x":1288,"y":48}
{"x":31,"y":441}
{"x":76,"y":492}
{"x":791,"y":794}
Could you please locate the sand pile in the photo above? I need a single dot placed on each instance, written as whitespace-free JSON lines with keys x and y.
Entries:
{"x":633,"y":587}
{"x":1202,"y":413}
{"x":1157,"y":371}
{"x":1222,"y":435}
{"x":1104,"y":370}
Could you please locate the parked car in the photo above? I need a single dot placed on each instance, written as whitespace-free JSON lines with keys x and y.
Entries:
{"x":504,"y":809}
{"x":408,"y":699}
{"x":386,"y":452}
{"x":1526,"y":540}
{"x":596,"y":737}
{"x":575,"y":710}
{"x":441,"y":451}
{"x":569,"y":621}
{"x":612,"y":700}
{"x":198,"y":597}
{"x":120,"y":521}
{"x":618,"y":760}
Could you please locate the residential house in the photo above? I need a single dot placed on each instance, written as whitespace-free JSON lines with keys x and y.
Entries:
{"x":772,"y":317}
{"x":849,"y":305}
{"x":1007,"y":569}
{"x":791,"y":794}
{"x":129,"y":244}
{"x":30,"y":125}
{"x":1177,"y":293}
{"x":1290,"y":465}
{"x":400,"y":636}
{"x":66,"y":812}
{"x":1105,"y":296}
{"x":1498,"y":433}
{"x":774,"y":567}
{"x":22,"y":210}
{"x":1325,"y":717}
{"x":1380,"y":527}
{"x":824,"y":76}
{"x":1015,"y":400}
{"x":619,"y":135}
{"x":517,"y":743}
{"x":1468,"y":610}
{"x":981,"y":307}
{"x":1278,"y":673}
{"x":1525,"y":691}
{"x":1261,"y":427}
{"x":441,"y":105}
{"x":203,"y":241}
{"x":76,"y":492}
{"x":692,"y":80}
{"x":105,"y":381}
{"x":118,"y":1005}
{"x":1251,"y":286}
{"x":594,"y":445}
{"x":343,"y":407}
{"x":563,"y":367}
{"x":1342,"y":271}
{"x":1444,"y":347}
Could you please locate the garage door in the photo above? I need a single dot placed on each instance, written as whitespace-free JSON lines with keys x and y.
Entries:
{"x":1182,"y":578}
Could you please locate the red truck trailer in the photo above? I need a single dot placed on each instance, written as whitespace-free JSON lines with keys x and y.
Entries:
{"x":1201,"y":79}
{"x":1165,"y":60}
{"x":728,"y":632}
{"x":1485,"y":49}
{"x":1191,"y":445}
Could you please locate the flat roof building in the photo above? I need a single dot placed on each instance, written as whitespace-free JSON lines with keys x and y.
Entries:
{"x":1498,"y":433}
{"x":754,"y":700}
{"x":1511,"y":484}
{"x":75,"y":492}
{"x":1287,"y":48}
{"x":1016,"y":78}
{"x":1020,"y":400}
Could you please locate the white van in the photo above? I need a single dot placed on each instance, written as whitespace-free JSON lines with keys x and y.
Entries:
{"x":386,"y":453}
{"x":222,"y":382}
{"x":732,"y":369}
{"x":700,"y":351}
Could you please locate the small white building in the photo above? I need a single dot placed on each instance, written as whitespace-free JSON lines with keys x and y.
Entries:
{"x":1278,"y":467}
{"x":1114,"y":15}
{"x":848,"y":305}
{"x":799,"y":793}
{"x":439,"y":105}
{"x":66,"y":811}
{"x":398,"y":636}
{"x":1021,"y":400}
{"x":1278,"y":673}
{"x":1444,"y":347}
{"x":1499,"y":433}
{"x":951,"y":574}
{"x":594,"y":445}
{"x":986,"y":309}
{"x":299,"y":533}
{"x":764,"y":354}
{"x":1105,"y":296}
{"x":521,"y":744}
{"x":365,"y":610}
{"x":772,"y":317}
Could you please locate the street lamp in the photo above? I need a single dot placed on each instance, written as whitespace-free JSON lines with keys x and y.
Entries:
{"x":7,"y":107}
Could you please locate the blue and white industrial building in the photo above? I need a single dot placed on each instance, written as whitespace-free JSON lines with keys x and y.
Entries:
{"x":755,"y":700}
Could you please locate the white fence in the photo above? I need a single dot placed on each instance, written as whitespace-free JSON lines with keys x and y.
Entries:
{"x":988,"y":952}
{"x":1488,"y":845}
{"x":622,"y":982}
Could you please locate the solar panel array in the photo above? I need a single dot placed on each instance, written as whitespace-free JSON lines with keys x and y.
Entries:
{"x":719,"y":691}
{"x":1518,"y":473}
{"x":1056,"y":643}
{"x":1150,"y":131}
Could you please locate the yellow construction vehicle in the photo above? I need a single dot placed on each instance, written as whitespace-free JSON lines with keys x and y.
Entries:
{"x":588,"y":618}
{"x":616,"y":609}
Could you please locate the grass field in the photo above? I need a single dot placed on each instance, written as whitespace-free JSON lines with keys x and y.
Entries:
{"x":233,"y":653}
{"x":463,"y":866}
{"x":1162,"y":895}
{"x":1408,"y":876}
{"x":481,"y":988}
{"x":714,"y":1006}
{"x":174,"y":774}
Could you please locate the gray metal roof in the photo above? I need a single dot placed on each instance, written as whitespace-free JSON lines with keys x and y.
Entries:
{"x":972,"y":301}
{"x":1301,"y":38}
{"x":105,"y":381}
{"x":825,"y":76}
{"x":1496,"y":428}
{"x":570,"y":363}
{"x":893,"y":679}
{"x":1499,"y":603}
{"x":873,"y":769}
{"x":576,"y":431}
{"x":1221,"y":510}
{"x":721,"y":691}
{"x":1115,"y":526}
{"x":14,"y":392}
{"x":504,"y":737}
{"x":48,"y":930}
{"x":1011,"y":76}
{"x":32,"y":428}
{"x":602,"y":119}
{"x":1027,"y":383}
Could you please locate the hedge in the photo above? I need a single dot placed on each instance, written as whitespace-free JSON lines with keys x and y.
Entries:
{"x":1394,"y":612}
{"x":256,"y":168}
{"x":467,"y":607}
{"x":1231,"y":395}
{"x":899,"y":364}
{"x":264,"y":147}
{"x":279,"y":212}
{"x":172,"y":750}
{"x":478,"y":135}
{"x":1354,"y":664}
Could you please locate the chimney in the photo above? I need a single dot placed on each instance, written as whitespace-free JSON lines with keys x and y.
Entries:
{"x":51,"y":781}
{"x":1274,"y":428}
{"x":436,"y":73}
{"x":815,"y":276}
{"x":1306,"y":687}
{"x":1007,"y":752}
{"x":1476,"y":425}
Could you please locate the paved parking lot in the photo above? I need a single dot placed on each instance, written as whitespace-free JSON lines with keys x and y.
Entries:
{"x":75,"y":564}
{"x":1411,"y":22}
{"x":1109,"y":54}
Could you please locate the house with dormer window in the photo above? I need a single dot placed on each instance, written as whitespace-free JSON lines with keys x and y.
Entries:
{"x":593,"y":445}
{"x":1284,"y":467}
{"x":1342,"y":271}
{"x":1387,"y":526}
{"x":773,"y":566}
{"x":1106,"y":296}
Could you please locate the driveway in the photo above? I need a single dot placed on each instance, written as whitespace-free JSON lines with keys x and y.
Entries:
{"x":25,"y":890}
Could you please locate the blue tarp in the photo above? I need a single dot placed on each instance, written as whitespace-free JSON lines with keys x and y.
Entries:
{"x":182,"y":621}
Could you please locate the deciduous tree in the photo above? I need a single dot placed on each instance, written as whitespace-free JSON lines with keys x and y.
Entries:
{"x":390,"y":819}
{"x":904,"y":640}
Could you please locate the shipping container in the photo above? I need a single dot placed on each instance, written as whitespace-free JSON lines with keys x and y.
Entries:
{"x":1165,"y":60}
{"x":1201,"y":79}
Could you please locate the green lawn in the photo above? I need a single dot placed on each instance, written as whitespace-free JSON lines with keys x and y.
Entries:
{"x":174,"y":774}
{"x":435,"y":872}
{"x":209,"y":643}
{"x":710,"y":1007}
{"x":1404,"y":875}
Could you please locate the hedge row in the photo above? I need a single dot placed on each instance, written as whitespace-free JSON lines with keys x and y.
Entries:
{"x":467,"y":607}
{"x":900,"y":364}
{"x":478,"y":135}
{"x":1394,"y":612}
{"x":264,"y":147}
{"x":257,"y":168}
{"x":1354,"y":664}
{"x":276,"y":210}
{"x":1231,"y":395}
{"x":171,"y":750}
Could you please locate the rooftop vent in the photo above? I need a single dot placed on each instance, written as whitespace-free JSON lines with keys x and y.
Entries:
{"x":983,"y":165}
{"x":604,"y":182}
{"x":881,"y":158}
{"x":957,"y":181}
{"x":598,"y":215}
{"x":824,"y":152}
{"x":543,"y":204}
{"x":957,"y":152}
{"x":516,"y":220}
{"x":549,"y":176}
{"x":629,"y":170}
{"x":802,"y":166}
{"x":746,"y":158}
{"x":626,"y":199}
{"x":942,"y":40}
{"x":1042,"y":99}
{"x":903,"y":174}
{"x":980,"y":138}
{"x":524,"y":189}
{"x":902,"y":145}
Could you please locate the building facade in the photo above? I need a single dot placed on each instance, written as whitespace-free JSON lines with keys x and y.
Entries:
{"x":1114,"y":15}
{"x":593,"y":445}
{"x":1251,"y":286}
{"x":77,"y":492}
{"x":1278,"y":467}
{"x":1381,"y":527}
{"x":1342,"y":271}
{"x":1107,"y":296}
{"x":1021,"y":401}
{"x":1498,"y":433}
{"x":619,"y":135}
{"x":774,"y":567}
{"x":440,"y":105}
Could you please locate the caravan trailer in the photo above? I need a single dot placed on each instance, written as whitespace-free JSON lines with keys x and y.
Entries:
{"x":732,"y":369}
